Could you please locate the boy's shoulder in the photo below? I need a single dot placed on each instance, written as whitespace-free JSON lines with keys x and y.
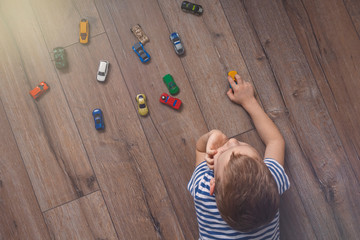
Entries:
{"x":200,"y":179}
{"x":278,"y":172}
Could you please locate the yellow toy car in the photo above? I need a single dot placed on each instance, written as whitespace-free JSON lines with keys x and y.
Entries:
{"x":84,"y":31}
{"x":142,"y":107}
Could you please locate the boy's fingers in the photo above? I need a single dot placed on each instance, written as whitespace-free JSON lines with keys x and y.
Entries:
{"x":211,"y":152}
{"x":239,"y":79}
{"x":210,"y":161}
{"x":232,"y":82}
{"x":230,"y":94}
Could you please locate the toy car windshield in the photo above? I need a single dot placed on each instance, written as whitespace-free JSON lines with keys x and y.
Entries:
{"x":138,"y":48}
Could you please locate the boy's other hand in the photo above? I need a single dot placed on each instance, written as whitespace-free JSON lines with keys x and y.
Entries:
{"x":242,"y":92}
{"x":216,"y":140}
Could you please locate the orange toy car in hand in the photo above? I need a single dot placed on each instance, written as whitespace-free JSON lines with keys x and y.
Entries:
{"x":39,"y":89}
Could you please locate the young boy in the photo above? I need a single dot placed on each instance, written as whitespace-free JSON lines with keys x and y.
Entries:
{"x":236,"y":192}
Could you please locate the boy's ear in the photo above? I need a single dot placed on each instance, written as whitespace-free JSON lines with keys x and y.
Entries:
{"x":212,"y":186}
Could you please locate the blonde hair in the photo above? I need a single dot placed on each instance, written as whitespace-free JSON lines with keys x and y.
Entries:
{"x":247,"y":197}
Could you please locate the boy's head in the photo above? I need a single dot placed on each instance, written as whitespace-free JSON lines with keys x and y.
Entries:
{"x":246,"y":193}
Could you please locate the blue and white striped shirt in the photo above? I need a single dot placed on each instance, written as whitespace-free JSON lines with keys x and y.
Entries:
{"x":211,"y":224}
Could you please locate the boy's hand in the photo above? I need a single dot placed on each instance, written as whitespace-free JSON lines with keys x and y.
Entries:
{"x":243,"y":91}
{"x":215,"y":141}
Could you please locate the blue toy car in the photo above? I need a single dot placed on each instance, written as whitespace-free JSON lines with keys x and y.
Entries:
{"x":140,"y":51}
{"x":175,"y":39}
{"x":98,"y":118}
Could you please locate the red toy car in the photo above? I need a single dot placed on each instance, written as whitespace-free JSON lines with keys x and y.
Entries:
{"x":39,"y":89}
{"x":171,"y":101}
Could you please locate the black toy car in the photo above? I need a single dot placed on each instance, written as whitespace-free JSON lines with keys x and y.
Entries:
{"x":192,"y":8}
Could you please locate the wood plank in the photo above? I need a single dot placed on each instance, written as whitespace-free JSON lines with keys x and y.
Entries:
{"x":44,"y":129}
{"x":59,"y":20}
{"x":171,"y":134}
{"x":332,"y":47}
{"x":353,"y":7}
{"x":127,"y":172}
{"x":20,"y":217}
{"x":84,"y":218}
{"x":297,"y":162}
{"x":211,"y":51}
{"x":312,"y":124}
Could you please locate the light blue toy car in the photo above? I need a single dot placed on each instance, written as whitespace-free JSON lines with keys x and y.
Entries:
{"x":176,"y":41}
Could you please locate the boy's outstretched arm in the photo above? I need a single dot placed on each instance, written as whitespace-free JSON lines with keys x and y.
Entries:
{"x":244,"y":95}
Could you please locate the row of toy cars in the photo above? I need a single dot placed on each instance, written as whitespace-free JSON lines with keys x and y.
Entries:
{"x":144,"y":57}
{"x":61,"y":62}
{"x":60,"y":57}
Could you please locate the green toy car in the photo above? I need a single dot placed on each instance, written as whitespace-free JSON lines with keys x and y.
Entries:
{"x":171,"y":85}
{"x":60,"y":57}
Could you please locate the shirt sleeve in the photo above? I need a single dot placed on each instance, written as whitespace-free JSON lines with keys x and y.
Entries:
{"x":198,"y":174}
{"x":279,"y":174}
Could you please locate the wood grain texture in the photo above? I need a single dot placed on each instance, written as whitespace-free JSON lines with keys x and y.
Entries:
{"x":44,"y":129}
{"x":84,"y":218}
{"x":132,"y":186}
{"x":312,"y":123}
{"x":353,"y":8}
{"x":20,"y":214}
{"x":301,"y":56}
{"x":211,"y":52}
{"x":332,"y":47}
{"x":298,"y":167}
{"x":171,"y":134}
{"x":59,"y":20}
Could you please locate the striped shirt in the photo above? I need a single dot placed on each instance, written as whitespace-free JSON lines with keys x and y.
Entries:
{"x":211,"y":224}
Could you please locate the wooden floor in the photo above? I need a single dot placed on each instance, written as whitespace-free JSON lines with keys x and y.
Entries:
{"x":62,"y":179}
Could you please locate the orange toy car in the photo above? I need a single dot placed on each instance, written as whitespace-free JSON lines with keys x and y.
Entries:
{"x":39,"y":89}
{"x":84,"y":31}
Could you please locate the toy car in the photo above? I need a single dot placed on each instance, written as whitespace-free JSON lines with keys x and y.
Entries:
{"x":60,"y":57}
{"x":142,"y":107}
{"x":98,"y":119}
{"x":192,"y":8}
{"x":39,"y":89}
{"x":84,"y":31}
{"x":140,"y":51}
{"x":139,"y":33}
{"x":171,"y":85}
{"x":102,"y":71}
{"x":175,"y":39}
{"x":171,"y":101}
{"x":232,"y":75}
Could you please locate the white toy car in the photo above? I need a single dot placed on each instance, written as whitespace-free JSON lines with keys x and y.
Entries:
{"x":102,"y":71}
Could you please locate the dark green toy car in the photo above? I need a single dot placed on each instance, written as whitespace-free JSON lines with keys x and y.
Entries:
{"x":171,"y":85}
{"x":192,"y":8}
{"x":60,"y":57}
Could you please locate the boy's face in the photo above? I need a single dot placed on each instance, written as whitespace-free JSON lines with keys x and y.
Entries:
{"x":222,"y":157}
